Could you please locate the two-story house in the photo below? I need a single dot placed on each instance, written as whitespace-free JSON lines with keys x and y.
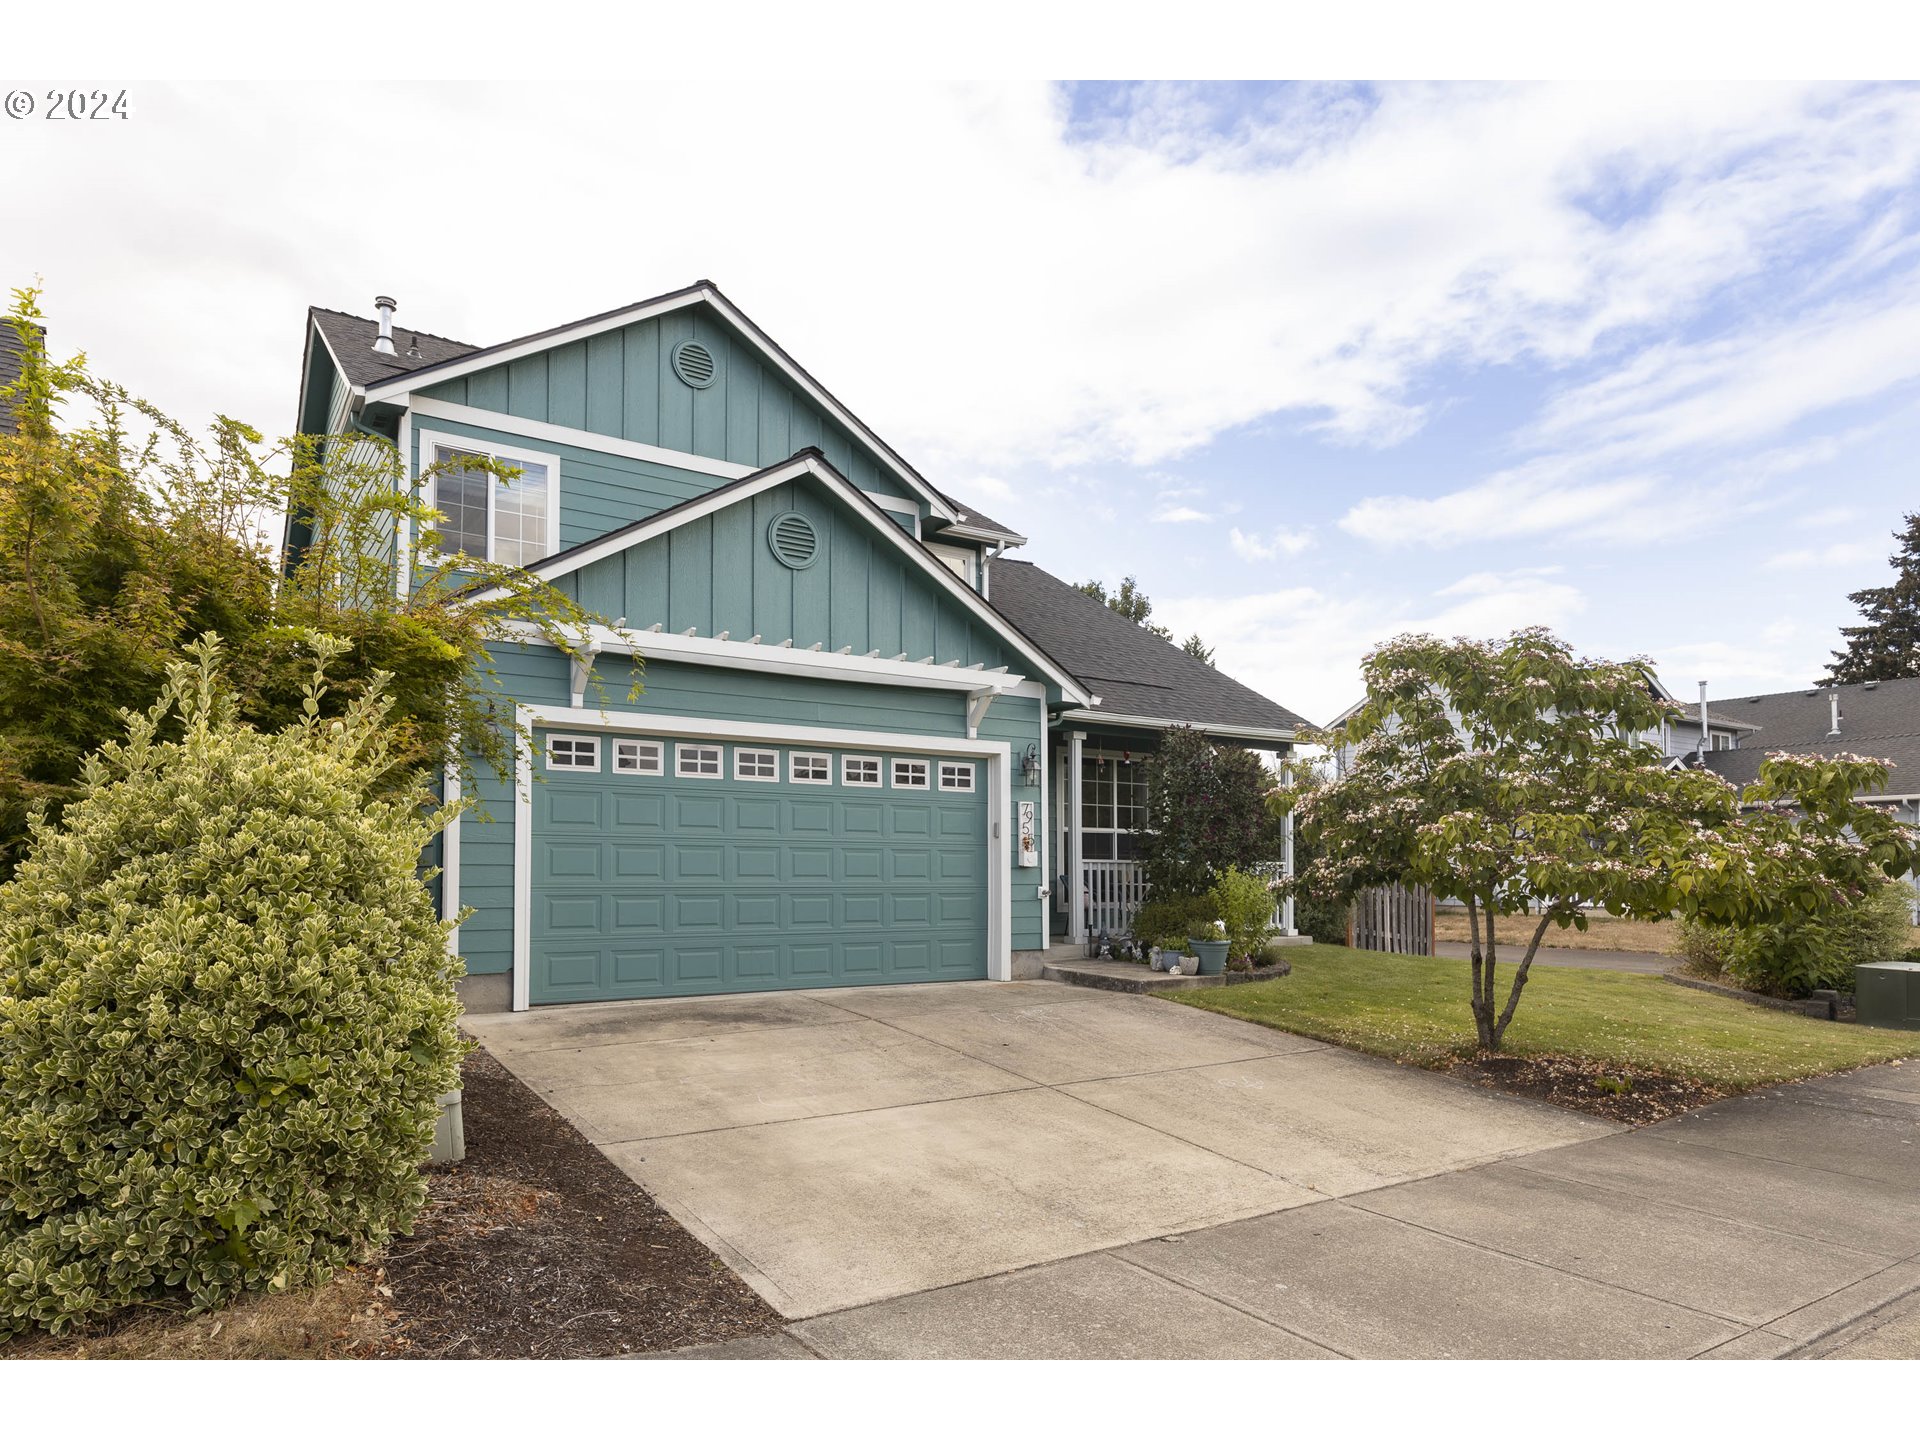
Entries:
{"x":870,"y":747}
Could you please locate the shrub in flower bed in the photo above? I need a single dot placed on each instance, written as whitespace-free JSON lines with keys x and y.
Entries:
{"x":226,"y":1013}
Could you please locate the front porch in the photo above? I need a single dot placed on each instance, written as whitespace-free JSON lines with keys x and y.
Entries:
{"x":1099,"y":781}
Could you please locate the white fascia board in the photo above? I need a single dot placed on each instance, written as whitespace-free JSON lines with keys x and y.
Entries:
{"x":984,"y":537}
{"x":646,"y":310}
{"x":779,"y":659}
{"x":426,"y":407}
{"x":1147,"y":722}
{"x":918,"y":554}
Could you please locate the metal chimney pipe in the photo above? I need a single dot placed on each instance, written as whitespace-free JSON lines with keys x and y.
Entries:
{"x":1706,"y":741}
{"x":1833,"y":709}
{"x":386,"y":305}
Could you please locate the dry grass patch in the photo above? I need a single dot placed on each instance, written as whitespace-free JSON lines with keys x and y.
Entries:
{"x":1603,"y":932}
{"x":348,"y":1317}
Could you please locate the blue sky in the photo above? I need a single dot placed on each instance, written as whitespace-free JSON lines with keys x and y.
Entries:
{"x":1317,"y":363}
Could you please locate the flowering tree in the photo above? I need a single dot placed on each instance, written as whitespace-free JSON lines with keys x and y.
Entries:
{"x":1516,"y":778}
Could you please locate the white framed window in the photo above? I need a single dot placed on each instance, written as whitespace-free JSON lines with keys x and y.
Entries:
{"x":701,"y":760}
{"x":511,"y":522}
{"x":909,"y":774}
{"x":573,"y":752}
{"x":636,"y":757}
{"x":956,"y":775}
{"x":804,"y":768}
{"x":862,"y":770}
{"x":1113,"y":805}
{"x":756,"y":764}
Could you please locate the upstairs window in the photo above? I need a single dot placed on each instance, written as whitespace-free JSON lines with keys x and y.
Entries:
{"x":507,"y":521}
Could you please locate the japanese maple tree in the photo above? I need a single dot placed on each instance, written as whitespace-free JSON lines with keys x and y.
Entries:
{"x":1517,"y":778}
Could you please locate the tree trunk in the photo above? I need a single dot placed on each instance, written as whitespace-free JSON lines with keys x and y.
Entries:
{"x":1482,"y":976}
{"x":1520,"y":980}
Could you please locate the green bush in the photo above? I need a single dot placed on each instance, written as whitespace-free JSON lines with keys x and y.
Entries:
{"x":1169,"y":922}
{"x":226,"y":1013}
{"x":1704,"y":947}
{"x":1245,"y":904}
{"x":1324,"y":920}
{"x":1804,"y":954}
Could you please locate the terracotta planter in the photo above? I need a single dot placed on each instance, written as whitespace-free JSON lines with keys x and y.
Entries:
{"x":1212,"y":953}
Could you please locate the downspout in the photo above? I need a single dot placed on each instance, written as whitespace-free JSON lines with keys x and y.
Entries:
{"x":1705,"y":740}
{"x":1833,"y":709}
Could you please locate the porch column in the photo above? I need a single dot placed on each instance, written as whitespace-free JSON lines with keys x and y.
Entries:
{"x":1076,"y":870}
{"x":1286,"y":869}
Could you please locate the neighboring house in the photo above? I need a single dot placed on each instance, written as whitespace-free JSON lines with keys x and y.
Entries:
{"x":9,"y":373}
{"x":862,"y":726}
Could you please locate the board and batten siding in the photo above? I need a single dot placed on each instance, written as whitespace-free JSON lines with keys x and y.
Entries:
{"x":719,"y":573}
{"x":621,"y":383}
{"x":536,"y":674}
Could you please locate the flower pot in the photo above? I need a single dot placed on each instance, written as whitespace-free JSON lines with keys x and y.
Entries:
{"x":1212,"y":953}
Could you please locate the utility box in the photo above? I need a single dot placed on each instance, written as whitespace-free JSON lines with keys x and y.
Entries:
{"x":1887,"y":994}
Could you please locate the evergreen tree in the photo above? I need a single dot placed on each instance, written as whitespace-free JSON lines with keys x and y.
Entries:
{"x":1130,"y":601}
{"x":1197,"y":648}
{"x":1887,"y":646}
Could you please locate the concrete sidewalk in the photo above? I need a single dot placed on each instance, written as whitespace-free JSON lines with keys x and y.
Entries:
{"x":1786,"y":1222}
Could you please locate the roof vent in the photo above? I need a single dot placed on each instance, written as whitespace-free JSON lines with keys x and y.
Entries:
{"x":383,"y":342}
{"x":694,"y":363}
{"x":793,"y":540}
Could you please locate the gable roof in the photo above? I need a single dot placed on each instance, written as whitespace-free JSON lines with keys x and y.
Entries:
{"x":807,"y":462}
{"x":1880,"y":720}
{"x":1136,"y":674}
{"x":700,"y":292}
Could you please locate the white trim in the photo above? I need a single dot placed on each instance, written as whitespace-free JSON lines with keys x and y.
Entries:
{"x":624,"y":539}
{"x":1003,"y":538}
{"x":640,"y":749}
{"x":743,"y":752}
{"x":400,"y":386}
{"x":698,"y":749}
{"x":547,"y":433}
{"x":1070,"y":811}
{"x":969,"y":560}
{"x":765,"y":658}
{"x":879,"y":772}
{"x":510,"y":454}
{"x":1046,"y":833}
{"x":895,"y":782}
{"x":994,"y":753}
{"x":403,"y":532}
{"x":959,"y":767}
{"x":450,"y":857}
{"x":796,"y":757}
{"x":1147,"y":722}
{"x":548,"y":762}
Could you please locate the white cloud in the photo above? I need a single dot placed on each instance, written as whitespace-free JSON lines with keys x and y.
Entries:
{"x":1179,"y":515}
{"x":1302,"y":645}
{"x":1271,"y":547}
{"x":1317,"y":259}
{"x":1840,"y":555}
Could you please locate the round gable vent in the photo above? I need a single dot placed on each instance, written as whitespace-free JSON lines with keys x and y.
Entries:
{"x":794,"y":541}
{"x":694,"y":363}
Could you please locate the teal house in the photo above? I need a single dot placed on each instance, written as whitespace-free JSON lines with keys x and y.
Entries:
{"x":872,"y":747}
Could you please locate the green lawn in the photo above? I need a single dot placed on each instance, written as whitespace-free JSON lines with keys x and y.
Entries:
{"x":1415,"y":1009}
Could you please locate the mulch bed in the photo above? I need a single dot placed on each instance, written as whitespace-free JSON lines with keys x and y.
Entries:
{"x":1561,"y":1080}
{"x":538,"y":1246}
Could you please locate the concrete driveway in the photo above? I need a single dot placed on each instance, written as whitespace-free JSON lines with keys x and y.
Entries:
{"x":840,"y":1148}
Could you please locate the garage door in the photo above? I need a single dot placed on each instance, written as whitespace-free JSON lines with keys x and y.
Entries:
{"x":684,"y":867}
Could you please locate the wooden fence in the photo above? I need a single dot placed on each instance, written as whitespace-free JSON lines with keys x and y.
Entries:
{"x":1394,"y":918}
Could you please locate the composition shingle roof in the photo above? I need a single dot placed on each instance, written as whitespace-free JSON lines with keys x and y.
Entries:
{"x":1132,"y":671}
{"x":1881,"y":721}
{"x":351,"y":338}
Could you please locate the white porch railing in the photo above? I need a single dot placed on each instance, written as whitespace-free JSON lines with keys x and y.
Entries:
{"x":1114,"y":891}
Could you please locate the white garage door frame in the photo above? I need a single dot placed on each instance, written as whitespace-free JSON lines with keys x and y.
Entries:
{"x":996,"y":754}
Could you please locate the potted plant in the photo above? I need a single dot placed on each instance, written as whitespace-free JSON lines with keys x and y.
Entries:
{"x":1207,"y":937}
